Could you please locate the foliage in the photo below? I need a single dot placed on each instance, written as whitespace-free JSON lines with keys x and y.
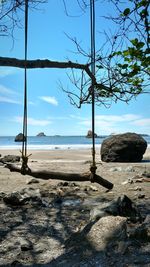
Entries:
{"x":131,"y":60}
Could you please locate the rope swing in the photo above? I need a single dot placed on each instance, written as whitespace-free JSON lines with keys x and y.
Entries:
{"x":24,"y":143}
{"x":92,"y":26}
{"x":47,"y":174}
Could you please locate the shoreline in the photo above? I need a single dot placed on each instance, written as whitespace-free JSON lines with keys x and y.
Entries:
{"x":63,"y":155}
{"x":55,"y":147}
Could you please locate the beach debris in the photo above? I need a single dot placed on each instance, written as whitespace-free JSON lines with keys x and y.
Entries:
{"x":122,"y":206}
{"x":20,"y":137}
{"x":128,"y":147}
{"x":91,"y":188}
{"x":137,"y":188}
{"x":10,"y":158}
{"x":128,"y":181}
{"x":116,"y":169}
{"x":130,"y":169}
{"x":136,"y":179}
{"x":120,"y":169}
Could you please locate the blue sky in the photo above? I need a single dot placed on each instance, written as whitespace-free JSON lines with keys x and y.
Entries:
{"x":49,"y":109}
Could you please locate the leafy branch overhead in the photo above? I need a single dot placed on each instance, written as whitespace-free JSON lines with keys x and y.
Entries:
{"x":134,"y":53}
{"x":122,"y":62}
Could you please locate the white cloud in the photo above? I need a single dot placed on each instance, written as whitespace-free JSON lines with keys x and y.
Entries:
{"x":106,"y":124}
{"x":142,"y":122}
{"x":49,"y":99}
{"x":5,"y":99}
{"x":117,"y":118}
{"x":6,"y":91}
{"x":7,"y":95}
{"x":5,"y":72}
{"x":32,"y":121}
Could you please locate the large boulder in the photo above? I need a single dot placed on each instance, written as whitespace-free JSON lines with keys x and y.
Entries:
{"x":20,"y":137}
{"x":128,"y":147}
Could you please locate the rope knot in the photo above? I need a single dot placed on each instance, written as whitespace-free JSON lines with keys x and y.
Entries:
{"x":93,"y":172}
{"x":24,"y":167}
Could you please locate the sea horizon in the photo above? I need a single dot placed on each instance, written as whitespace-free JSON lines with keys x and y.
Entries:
{"x":53,"y":142}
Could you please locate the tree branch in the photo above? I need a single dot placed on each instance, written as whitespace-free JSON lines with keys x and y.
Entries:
{"x":44,"y":63}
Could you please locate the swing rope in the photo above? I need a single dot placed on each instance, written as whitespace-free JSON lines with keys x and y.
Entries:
{"x":92,"y":26}
{"x":24,"y":143}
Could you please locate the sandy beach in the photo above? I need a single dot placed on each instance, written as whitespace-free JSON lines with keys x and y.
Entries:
{"x":65,"y":220}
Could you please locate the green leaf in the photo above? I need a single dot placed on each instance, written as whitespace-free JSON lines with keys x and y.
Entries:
{"x":124,"y":66}
{"x":134,"y":41}
{"x":126,"y":12}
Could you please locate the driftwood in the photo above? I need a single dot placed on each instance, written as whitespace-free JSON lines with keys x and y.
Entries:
{"x":45,"y":175}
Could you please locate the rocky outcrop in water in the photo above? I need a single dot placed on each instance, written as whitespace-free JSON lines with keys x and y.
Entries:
{"x":20,"y":137}
{"x":41,"y":134}
{"x":89,"y":134}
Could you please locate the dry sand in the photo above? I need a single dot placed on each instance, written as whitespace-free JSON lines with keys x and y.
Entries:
{"x":76,"y":161}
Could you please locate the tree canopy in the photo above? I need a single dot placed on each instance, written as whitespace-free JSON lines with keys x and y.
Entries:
{"x":122,"y":70}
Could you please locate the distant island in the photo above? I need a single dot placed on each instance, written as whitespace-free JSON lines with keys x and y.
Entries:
{"x":90,"y":134}
{"x":41,"y":134}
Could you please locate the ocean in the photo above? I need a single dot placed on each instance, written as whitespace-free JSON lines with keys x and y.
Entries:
{"x":54,"y":142}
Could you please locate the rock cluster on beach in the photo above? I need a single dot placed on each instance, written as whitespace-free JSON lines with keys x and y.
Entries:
{"x":128,"y":147}
{"x":9,"y":158}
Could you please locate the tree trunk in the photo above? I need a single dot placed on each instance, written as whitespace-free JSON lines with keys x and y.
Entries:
{"x":46,"y":175}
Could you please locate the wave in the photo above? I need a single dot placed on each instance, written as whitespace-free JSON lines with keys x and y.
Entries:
{"x":49,"y":147}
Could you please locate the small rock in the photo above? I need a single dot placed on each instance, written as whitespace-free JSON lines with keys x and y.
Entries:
{"x":33,"y":181}
{"x":25,"y":245}
{"x":93,"y":188}
{"x":140,"y":196}
{"x":129,"y":169}
{"x":14,"y":199}
{"x":116,"y":169}
{"x":63,"y":184}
